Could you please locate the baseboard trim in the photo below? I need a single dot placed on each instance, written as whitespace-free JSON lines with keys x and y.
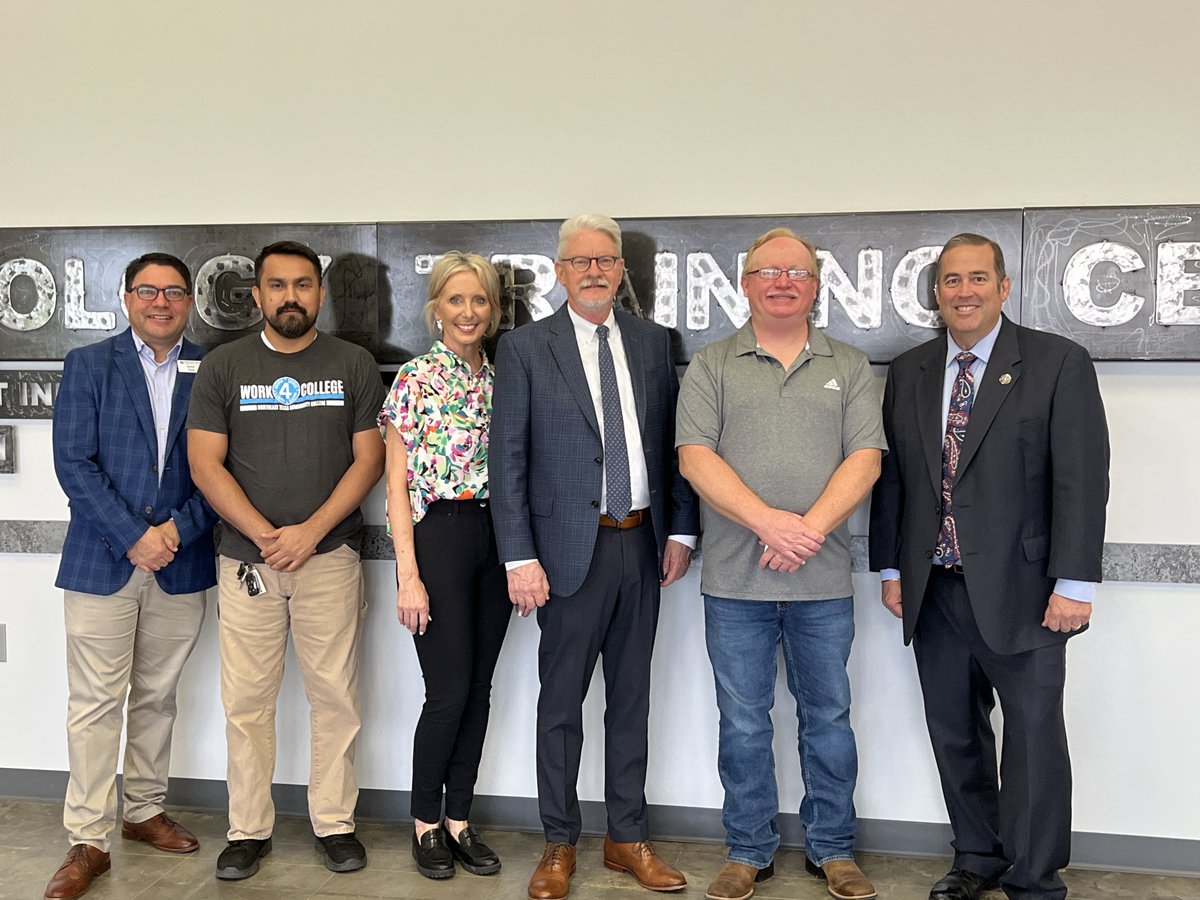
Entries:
{"x":1089,"y":850}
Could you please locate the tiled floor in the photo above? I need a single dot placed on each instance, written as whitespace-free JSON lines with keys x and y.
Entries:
{"x":32,"y":845}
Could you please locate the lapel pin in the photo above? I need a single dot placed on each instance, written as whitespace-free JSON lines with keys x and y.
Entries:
{"x":1005,"y":378}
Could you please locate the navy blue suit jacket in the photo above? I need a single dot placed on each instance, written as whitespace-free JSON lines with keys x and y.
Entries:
{"x":1030,"y":488}
{"x":545,"y":451}
{"x":106,"y":458}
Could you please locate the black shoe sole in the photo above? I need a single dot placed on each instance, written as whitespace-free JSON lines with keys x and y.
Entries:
{"x":489,"y":869}
{"x":438,"y":874}
{"x":233,"y":874}
{"x":350,"y":865}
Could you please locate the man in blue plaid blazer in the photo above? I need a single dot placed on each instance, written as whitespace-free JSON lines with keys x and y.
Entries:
{"x":137,"y":560}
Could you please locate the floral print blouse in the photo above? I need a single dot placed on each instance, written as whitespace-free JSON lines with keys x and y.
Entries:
{"x":442,"y":410}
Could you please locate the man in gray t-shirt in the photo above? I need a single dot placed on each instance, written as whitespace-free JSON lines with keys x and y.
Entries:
{"x":779,"y":432}
{"x":283,"y":442}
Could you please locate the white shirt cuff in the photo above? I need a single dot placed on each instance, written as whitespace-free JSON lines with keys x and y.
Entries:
{"x":517,"y":563}
{"x":688,"y":540}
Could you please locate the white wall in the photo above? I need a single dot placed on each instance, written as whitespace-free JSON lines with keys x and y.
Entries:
{"x":219,"y":112}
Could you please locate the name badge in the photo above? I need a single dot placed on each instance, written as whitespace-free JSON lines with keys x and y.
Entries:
{"x":189,"y":366}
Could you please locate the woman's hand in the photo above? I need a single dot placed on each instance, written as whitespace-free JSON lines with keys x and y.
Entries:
{"x":412,"y":603}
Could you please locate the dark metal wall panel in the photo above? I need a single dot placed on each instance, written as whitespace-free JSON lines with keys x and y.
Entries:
{"x":60,"y":288}
{"x":1124,"y":282}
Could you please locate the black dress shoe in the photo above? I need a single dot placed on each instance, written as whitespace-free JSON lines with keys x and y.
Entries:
{"x":472,"y":853}
{"x":959,"y":884}
{"x":240,"y":859}
{"x":432,"y":855}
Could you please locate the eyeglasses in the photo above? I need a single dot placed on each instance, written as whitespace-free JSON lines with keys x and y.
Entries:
{"x":770,"y":273}
{"x":149,"y":293}
{"x":583,"y":263}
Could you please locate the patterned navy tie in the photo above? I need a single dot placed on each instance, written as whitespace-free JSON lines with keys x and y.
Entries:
{"x":616,"y":455}
{"x":962,"y":396}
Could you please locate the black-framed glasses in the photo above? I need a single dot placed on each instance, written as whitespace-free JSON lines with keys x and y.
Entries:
{"x":583,"y":263}
{"x":770,"y":273}
{"x":149,"y":293}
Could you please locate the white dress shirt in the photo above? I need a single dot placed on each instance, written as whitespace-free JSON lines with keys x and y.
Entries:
{"x":639,"y":479}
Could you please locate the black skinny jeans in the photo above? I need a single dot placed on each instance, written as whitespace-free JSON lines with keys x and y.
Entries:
{"x":469,"y":614}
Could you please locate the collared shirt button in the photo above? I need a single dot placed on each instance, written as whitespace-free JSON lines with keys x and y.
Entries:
{"x":149,"y":510}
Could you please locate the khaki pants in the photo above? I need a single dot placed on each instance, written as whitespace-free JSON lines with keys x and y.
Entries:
{"x":322,"y":604}
{"x":132,"y":642}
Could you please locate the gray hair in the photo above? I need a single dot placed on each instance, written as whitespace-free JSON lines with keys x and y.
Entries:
{"x":588,"y":222}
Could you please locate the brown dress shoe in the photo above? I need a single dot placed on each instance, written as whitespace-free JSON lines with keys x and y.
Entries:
{"x":640,"y":861}
{"x":552,"y":878}
{"x":161,"y":833}
{"x":736,"y":881}
{"x":844,"y":878}
{"x":83,"y":863}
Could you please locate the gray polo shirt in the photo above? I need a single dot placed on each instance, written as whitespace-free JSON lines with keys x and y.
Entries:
{"x":784,"y":433}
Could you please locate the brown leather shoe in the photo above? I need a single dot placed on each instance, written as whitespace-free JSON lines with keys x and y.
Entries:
{"x":736,"y":881}
{"x":83,"y":863}
{"x":161,"y":833}
{"x":639,"y":860}
{"x":844,"y":878}
{"x":552,"y":878}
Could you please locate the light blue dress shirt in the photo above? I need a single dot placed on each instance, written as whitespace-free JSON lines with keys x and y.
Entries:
{"x":160,"y":383}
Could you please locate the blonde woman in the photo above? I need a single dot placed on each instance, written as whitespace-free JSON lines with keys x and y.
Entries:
{"x":452,"y":591}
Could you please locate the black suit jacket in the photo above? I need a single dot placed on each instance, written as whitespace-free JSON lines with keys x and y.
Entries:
{"x":545,"y":452}
{"x":1029,"y":492}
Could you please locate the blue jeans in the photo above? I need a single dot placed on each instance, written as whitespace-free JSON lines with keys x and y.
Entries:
{"x":742,"y":636}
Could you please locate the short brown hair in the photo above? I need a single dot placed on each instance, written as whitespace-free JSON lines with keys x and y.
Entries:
{"x":969,"y":239}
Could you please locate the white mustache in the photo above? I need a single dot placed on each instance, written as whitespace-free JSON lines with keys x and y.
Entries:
{"x":594,"y":282}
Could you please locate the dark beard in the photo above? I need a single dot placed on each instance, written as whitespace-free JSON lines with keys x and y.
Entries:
{"x":291,"y":326}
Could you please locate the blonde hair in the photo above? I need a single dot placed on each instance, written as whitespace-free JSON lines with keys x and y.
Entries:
{"x":450,"y":264}
{"x":783,"y":233}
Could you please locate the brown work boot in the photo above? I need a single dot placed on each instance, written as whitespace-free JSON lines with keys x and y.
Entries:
{"x":162,"y":833}
{"x":83,"y":863}
{"x":639,"y":860}
{"x":736,"y":881}
{"x":552,"y":878}
{"x":844,"y":879}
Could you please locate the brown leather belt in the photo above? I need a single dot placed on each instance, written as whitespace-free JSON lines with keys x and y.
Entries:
{"x":634,"y":519}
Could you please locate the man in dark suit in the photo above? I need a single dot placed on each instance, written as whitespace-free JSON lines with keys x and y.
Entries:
{"x":137,"y":559}
{"x":592,"y":519}
{"x":987,"y":525}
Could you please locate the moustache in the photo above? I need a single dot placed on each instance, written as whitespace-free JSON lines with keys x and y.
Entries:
{"x":594,"y":282}
{"x":292,"y":307}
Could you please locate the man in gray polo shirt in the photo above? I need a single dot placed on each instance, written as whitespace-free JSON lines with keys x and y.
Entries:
{"x":779,"y":432}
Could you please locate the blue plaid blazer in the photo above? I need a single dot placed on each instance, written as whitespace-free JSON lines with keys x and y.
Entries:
{"x":545,"y":450}
{"x":106,"y":458}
